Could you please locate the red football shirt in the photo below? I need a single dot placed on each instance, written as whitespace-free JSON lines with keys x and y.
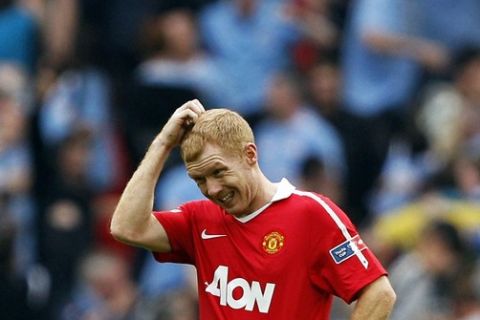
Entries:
{"x":284,"y":261}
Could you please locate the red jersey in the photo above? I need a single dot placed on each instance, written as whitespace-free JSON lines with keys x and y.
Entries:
{"x":284,"y":261}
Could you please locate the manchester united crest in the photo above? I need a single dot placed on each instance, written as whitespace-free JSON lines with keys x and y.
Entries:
{"x":273,"y":242}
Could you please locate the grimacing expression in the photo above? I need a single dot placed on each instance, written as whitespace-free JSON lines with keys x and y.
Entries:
{"x":225,"y":179}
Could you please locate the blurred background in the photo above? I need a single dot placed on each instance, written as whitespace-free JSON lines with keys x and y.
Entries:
{"x":374,"y":103}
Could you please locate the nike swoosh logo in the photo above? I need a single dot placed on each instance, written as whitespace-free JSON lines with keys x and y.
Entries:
{"x":206,"y":236}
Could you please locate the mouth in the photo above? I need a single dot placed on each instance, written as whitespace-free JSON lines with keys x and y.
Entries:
{"x":226,"y":198}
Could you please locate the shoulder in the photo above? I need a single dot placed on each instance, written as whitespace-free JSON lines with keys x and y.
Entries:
{"x":201,"y":209}
{"x":193,"y":212}
{"x":307,"y":202}
{"x":382,"y":14}
{"x":215,"y":12}
{"x":314,"y":122}
{"x":21,"y":18}
{"x":321,"y":211}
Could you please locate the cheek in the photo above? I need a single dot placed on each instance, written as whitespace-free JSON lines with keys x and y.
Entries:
{"x":203,"y":190}
{"x":247,"y":188}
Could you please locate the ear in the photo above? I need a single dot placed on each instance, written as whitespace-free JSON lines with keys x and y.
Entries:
{"x":251,"y":153}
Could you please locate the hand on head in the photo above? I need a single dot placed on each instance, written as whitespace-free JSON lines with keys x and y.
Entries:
{"x":180,"y":122}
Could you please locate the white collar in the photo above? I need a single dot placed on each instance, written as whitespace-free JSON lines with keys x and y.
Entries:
{"x":284,"y":190}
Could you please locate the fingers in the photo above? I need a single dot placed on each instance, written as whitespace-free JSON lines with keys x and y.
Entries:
{"x":190,"y":117}
{"x":199,"y":105}
{"x":189,"y":112}
{"x":193,"y":105}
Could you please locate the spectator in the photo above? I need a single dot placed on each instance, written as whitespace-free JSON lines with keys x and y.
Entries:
{"x":174,"y":57}
{"x":434,"y":18}
{"x":385,"y":50}
{"x":383,"y":54}
{"x":322,"y":21}
{"x":404,"y":174}
{"x":57,"y":27}
{"x":64,"y":239}
{"x":400,"y":229}
{"x":19,"y":35}
{"x":429,"y":278}
{"x":324,"y":82}
{"x":66,"y":227}
{"x":79,"y":98}
{"x":14,"y":292}
{"x":105,"y":290}
{"x":249,"y":41}
{"x":16,"y":164}
{"x":291,"y":121}
{"x":466,"y":175}
{"x":449,"y":116}
{"x":381,"y":41}
{"x":467,"y":304}
{"x":174,"y":68}
{"x":313,"y":177}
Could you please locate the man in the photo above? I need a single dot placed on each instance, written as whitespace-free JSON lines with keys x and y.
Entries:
{"x":262,"y":250}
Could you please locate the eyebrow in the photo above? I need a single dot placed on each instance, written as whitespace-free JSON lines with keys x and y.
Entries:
{"x":194,"y":177}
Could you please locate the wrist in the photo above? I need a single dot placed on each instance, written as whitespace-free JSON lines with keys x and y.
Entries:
{"x":162,"y":143}
{"x":161,"y":146}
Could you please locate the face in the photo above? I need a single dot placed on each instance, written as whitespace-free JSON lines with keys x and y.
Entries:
{"x":226,"y":179}
{"x":469,"y":80}
{"x":282,"y":98}
{"x":179,"y":32}
{"x":12,"y":122}
{"x":246,"y":7}
{"x":324,"y":85}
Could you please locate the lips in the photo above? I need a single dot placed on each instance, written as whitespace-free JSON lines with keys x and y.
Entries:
{"x":226,"y":198}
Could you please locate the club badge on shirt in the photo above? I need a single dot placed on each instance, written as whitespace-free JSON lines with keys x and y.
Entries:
{"x":346,"y":249}
{"x":273,"y":242}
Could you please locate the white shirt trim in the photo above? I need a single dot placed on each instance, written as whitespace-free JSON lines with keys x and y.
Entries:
{"x":339,"y":224}
{"x":284,"y":190}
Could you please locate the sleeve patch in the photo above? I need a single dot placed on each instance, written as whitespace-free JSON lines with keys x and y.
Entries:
{"x":346,"y":249}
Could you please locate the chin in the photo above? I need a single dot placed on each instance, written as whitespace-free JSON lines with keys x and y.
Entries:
{"x":237,"y":212}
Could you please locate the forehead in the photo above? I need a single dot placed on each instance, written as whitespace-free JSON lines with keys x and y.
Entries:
{"x":210,"y":158}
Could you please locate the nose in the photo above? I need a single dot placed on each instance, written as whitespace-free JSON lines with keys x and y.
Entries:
{"x":213,"y":187}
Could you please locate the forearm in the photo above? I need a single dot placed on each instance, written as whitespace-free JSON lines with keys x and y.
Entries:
{"x":374,"y":311}
{"x":133,"y":212}
{"x":61,"y":25}
{"x":376,"y":302}
{"x":132,"y":221}
{"x":398,"y":45}
{"x":319,"y":29}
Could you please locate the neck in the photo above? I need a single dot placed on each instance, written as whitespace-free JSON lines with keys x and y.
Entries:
{"x":265,"y":192}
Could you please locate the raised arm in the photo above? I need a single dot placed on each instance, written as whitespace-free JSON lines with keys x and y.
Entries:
{"x":132,"y":221}
{"x":430,"y":54}
{"x":375,"y":301}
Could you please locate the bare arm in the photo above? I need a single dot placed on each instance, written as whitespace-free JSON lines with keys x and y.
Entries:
{"x":375,"y":301}
{"x":429,"y":54}
{"x":132,"y":221}
{"x":60,"y":22}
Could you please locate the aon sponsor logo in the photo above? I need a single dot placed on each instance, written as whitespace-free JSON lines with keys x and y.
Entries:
{"x":249,"y":294}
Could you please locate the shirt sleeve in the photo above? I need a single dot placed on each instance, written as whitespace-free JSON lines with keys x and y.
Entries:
{"x":380,"y":15}
{"x":178,"y":225}
{"x":343,"y":264}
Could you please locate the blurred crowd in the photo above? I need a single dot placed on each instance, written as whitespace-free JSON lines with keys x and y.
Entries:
{"x":373,"y":103}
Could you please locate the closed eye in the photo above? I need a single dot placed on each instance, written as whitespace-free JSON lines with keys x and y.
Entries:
{"x":218,"y":172}
{"x":199,"y":180}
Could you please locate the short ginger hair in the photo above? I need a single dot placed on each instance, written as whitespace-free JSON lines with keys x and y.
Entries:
{"x":221,"y":127}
